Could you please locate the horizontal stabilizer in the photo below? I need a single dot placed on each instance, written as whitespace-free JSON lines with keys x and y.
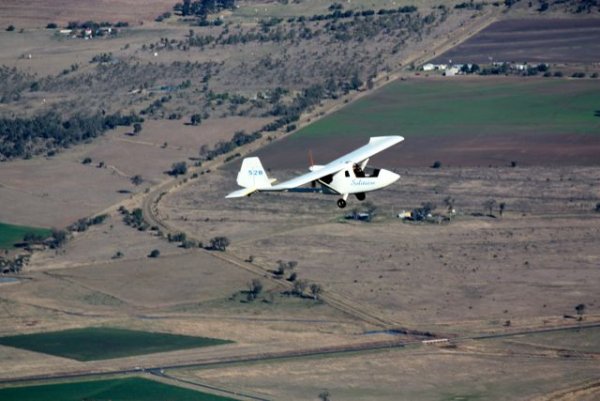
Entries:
{"x":240,"y":193}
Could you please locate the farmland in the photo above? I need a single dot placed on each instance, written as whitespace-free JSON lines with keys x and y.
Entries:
{"x":553,"y":41}
{"x":462,"y":121}
{"x":307,"y":300}
{"x":131,"y":389}
{"x":11,"y":234}
{"x":95,"y":343}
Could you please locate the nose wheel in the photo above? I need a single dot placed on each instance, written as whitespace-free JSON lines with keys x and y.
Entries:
{"x":341,"y":203}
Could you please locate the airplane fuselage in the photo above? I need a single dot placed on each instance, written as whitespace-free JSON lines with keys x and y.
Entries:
{"x":348,"y":181}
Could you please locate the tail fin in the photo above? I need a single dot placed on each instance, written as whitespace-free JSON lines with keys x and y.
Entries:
{"x":253,"y":175}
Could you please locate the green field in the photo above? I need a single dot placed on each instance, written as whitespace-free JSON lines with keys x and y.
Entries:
{"x":471,"y":106}
{"x":94,"y":343}
{"x":11,"y":234}
{"x":133,"y":389}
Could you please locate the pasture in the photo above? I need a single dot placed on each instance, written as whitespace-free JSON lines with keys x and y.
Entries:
{"x":131,"y":389}
{"x":11,"y":234}
{"x":95,"y":343}
{"x":460,"y":121}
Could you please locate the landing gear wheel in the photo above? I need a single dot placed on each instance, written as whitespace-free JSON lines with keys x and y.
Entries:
{"x":361,"y":196}
{"x":341,"y":203}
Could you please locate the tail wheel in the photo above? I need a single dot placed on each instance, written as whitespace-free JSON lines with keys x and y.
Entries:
{"x":341,"y":203}
{"x":361,"y":196}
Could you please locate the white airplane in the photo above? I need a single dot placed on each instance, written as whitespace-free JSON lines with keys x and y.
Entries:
{"x":346,"y":175}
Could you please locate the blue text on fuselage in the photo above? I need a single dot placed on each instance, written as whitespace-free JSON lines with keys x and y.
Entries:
{"x":359,"y":182}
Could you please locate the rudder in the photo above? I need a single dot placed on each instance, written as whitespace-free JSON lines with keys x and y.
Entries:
{"x":252,"y":174}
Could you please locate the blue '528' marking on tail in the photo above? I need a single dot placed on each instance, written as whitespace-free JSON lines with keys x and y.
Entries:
{"x":255,"y":172}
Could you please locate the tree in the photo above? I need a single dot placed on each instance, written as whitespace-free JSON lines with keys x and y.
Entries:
{"x":204,"y":149}
{"x":137,"y":180}
{"x":195,"y":119}
{"x":51,"y":25}
{"x":325,"y":396}
{"x":58,"y":239}
{"x":489,"y":205}
{"x":299,"y":287}
{"x":178,"y":168}
{"x":580,"y":308}
{"x":137,"y":128}
{"x":155,"y":253}
{"x":315,"y":290}
{"x":255,"y":287}
{"x":219,"y":243}
{"x":449,"y":202}
{"x":10,"y":28}
{"x":436,"y":164}
{"x":501,"y":208}
{"x":598,"y":207}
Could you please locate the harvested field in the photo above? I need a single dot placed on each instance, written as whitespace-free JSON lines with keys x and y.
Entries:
{"x":94,"y":343}
{"x":131,"y":389}
{"x":532,"y":41}
{"x":39,"y":13}
{"x":462,"y":121}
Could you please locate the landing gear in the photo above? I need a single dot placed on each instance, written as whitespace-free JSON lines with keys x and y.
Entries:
{"x":361,"y":196}
{"x":341,"y":203}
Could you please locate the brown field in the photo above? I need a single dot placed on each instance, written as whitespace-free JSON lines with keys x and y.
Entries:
{"x":71,"y":190}
{"x":423,"y":374}
{"x":38,"y":13}
{"x":424,"y":275}
{"x":531,"y":40}
{"x":453,"y":150}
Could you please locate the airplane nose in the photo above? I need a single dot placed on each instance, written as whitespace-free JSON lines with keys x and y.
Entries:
{"x":389,"y":176}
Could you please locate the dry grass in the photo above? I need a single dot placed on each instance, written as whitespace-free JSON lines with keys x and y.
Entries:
{"x":476,"y":269}
{"x":38,"y":13}
{"x":425,"y":374}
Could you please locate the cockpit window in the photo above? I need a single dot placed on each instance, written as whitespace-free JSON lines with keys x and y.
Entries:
{"x":371,"y":172}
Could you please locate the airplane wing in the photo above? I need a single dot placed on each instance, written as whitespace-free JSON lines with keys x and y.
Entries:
{"x":376,"y":145}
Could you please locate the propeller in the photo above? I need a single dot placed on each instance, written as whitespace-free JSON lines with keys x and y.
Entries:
{"x":311,"y":162}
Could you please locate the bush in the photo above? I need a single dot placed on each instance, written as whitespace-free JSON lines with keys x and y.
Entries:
{"x":10,"y":28}
{"x":51,"y":25}
{"x":179,"y":168}
{"x":436,"y":164}
{"x":154,"y":254}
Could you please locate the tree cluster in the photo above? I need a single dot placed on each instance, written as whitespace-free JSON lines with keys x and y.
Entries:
{"x":25,"y":137}
{"x":134,"y":218}
{"x":84,"y":223}
{"x":202,"y":8}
